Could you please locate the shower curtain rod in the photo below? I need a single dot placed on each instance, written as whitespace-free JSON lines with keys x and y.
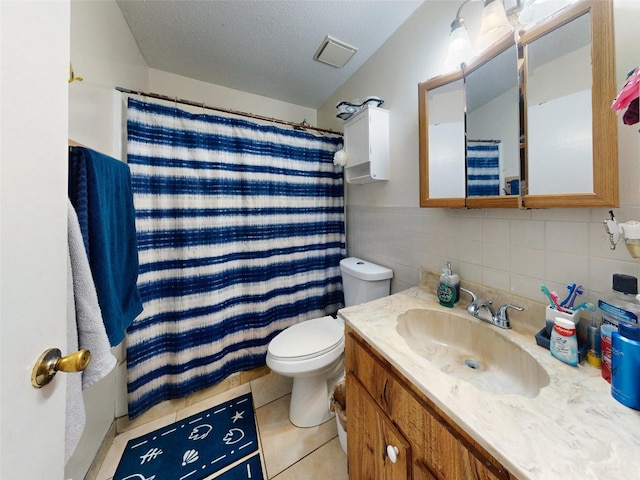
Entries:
{"x":297,"y":126}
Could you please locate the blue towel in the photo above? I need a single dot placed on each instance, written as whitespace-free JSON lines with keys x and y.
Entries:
{"x":100,"y":191}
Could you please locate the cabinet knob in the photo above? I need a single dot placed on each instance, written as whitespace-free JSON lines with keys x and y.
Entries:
{"x":392,"y":452}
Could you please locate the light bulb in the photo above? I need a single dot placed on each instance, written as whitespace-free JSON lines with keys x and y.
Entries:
{"x":460,"y":48}
{"x":494,"y":24}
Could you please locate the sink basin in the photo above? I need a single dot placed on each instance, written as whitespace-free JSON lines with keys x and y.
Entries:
{"x":471,"y":351}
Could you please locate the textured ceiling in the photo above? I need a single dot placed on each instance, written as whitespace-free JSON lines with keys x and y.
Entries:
{"x":262,"y":47}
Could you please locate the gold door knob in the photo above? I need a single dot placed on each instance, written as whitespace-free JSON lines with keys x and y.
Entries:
{"x":51,"y":361}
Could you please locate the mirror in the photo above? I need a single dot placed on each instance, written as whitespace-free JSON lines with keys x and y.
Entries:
{"x":559,"y":110}
{"x":571,"y":148}
{"x":493,"y":128}
{"x":550,"y":124}
{"x":442,"y":147}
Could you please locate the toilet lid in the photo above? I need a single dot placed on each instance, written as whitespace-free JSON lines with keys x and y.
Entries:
{"x":308,"y":338}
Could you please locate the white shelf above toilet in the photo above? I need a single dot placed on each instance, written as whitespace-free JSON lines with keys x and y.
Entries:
{"x":366,"y":138}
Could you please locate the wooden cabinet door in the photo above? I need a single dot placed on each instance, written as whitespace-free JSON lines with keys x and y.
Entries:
{"x":440,"y":450}
{"x":439,"y":454}
{"x":373,"y":433}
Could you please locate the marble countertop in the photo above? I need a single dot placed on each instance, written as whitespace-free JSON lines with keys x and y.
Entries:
{"x":573,"y":429}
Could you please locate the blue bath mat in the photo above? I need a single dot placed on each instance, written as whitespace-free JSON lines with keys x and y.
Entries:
{"x":196,"y":447}
{"x":250,"y":469}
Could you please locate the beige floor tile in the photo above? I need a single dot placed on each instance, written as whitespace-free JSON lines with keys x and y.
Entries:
{"x":230,"y":467}
{"x":246,"y":377}
{"x":110,"y":464}
{"x":227,"y":384}
{"x":215,"y":400}
{"x":283,"y":444}
{"x":269,"y":388}
{"x":167,"y":407}
{"x":328,"y":461}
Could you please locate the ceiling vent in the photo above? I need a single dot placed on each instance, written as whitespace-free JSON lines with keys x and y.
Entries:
{"x":334,"y":52}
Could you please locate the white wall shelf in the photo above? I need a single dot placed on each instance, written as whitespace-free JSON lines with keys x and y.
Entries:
{"x":366,"y":139}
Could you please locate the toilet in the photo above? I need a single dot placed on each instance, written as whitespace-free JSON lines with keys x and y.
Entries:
{"x":312,"y":352}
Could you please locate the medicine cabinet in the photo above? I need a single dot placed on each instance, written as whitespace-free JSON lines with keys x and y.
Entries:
{"x":366,"y":140}
{"x":537,"y":127}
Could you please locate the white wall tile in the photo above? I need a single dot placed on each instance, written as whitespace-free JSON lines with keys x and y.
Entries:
{"x":496,"y":256}
{"x":528,"y":287}
{"x":563,"y":268}
{"x":527,"y":233}
{"x":567,"y":237}
{"x":527,"y":261}
{"x":495,"y":278}
{"x":495,"y":231}
{"x":470,"y":251}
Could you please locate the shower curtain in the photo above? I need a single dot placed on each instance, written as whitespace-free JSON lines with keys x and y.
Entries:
{"x":484,"y":159}
{"x":240,"y":232}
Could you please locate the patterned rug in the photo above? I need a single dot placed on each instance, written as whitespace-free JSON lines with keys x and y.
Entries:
{"x":197,"y":447}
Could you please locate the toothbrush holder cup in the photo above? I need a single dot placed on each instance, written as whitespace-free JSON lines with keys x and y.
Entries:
{"x":552,"y":313}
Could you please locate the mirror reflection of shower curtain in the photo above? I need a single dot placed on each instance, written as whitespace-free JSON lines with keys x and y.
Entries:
{"x":240,"y":233}
{"x":484,"y":160}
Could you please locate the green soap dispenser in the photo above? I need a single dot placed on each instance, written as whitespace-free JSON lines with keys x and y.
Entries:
{"x":449,"y":287}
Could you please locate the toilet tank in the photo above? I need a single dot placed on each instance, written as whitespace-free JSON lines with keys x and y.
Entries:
{"x":364,"y":281}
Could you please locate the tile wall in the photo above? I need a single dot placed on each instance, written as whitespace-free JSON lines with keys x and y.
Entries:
{"x":510,"y":250}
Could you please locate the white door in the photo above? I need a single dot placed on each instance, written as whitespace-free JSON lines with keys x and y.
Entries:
{"x":34,"y":57}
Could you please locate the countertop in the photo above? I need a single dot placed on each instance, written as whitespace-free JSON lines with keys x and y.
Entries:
{"x":573,"y":429}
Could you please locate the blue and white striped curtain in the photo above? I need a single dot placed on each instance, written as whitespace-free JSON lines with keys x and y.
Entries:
{"x":483,"y":168}
{"x":240,"y":233}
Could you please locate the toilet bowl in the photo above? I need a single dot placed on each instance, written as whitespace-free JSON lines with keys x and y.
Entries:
{"x":312,"y":351}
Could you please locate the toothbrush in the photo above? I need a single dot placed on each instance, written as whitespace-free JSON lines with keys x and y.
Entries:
{"x":572,"y":288}
{"x":545,"y":290}
{"x":554,"y":297}
{"x":586,"y":306}
{"x":578,"y":291}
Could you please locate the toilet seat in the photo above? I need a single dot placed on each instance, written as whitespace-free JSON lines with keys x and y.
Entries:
{"x":308,"y":339}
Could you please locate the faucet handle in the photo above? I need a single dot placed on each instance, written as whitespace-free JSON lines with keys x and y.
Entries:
{"x":502,"y":316}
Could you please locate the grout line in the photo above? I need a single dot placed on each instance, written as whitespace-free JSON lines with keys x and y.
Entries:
{"x":302,"y":458}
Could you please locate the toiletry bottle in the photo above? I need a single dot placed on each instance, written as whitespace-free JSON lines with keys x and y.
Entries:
{"x":625,"y":365}
{"x":455,"y":281}
{"x":621,"y":305}
{"x":594,"y":354}
{"x":446,"y":288}
{"x":605,"y":342}
{"x":564,"y":343}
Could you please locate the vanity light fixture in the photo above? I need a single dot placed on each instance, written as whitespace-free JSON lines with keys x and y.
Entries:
{"x":534,"y":11}
{"x":461,"y":50}
{"x":494,"y":24}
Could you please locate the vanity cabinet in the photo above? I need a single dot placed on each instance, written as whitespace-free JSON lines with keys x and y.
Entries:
{"x":379,"y":435}
{"x":384,"y":409}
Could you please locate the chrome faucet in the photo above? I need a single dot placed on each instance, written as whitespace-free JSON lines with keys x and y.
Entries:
{"x":479,"y":305}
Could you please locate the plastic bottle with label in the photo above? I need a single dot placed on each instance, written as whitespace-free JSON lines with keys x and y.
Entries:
{"x":605,"y":341}
{"x":625,"y":365}
{"x":622,"y":304}
{"x":564,"y":343}
{"x":449,"y":287}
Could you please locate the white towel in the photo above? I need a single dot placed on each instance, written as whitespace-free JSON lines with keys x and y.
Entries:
{"x":84,"y":315}
{"x":74,"y":415}
{"x":92,"y":334}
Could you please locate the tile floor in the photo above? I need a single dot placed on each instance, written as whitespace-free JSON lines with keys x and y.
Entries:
{"x":288,"y":452}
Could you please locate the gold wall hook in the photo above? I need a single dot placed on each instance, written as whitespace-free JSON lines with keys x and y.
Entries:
{"x":72,"y":76}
